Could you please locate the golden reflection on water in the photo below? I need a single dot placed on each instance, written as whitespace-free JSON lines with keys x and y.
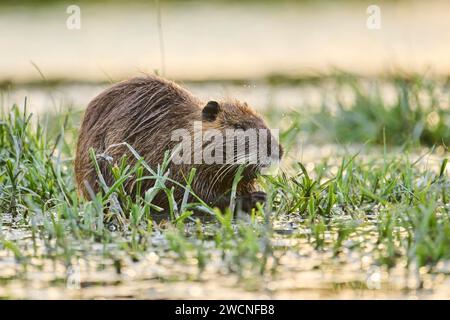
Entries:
{"x":302,"y":274}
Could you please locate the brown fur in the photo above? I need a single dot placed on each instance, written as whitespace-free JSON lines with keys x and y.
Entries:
{"x":143,"y":112}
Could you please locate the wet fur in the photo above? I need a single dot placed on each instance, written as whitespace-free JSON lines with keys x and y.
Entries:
{"x":143,"y":112}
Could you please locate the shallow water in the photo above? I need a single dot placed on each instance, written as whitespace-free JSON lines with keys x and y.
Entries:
{"x":261,"y":96}
{"x":295,"y":270}
{"x":302,"y":273}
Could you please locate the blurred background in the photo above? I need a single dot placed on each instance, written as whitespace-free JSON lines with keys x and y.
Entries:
{"x":200,"y":40}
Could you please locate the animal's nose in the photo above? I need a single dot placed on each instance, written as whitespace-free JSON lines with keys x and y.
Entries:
{"x":274,"y":148}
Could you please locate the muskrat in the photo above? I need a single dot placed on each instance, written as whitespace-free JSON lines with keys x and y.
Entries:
{"x":144,"y":112}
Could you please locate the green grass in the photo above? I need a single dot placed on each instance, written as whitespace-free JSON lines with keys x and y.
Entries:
{"x":387,"y":205}
{"x":417,"y":113}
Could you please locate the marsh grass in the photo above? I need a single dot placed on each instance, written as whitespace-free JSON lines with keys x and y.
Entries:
{"x":388,"y":206}
{"x":413,"y":110}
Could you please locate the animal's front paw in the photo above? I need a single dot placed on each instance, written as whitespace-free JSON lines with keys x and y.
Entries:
{"x":248,"y":202}
{"x":257,"y":197}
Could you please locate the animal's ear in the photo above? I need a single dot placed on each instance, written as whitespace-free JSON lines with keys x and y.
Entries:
{"x":210,"y":111}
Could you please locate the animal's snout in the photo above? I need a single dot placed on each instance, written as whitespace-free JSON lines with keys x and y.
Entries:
{"x":274,"y":149}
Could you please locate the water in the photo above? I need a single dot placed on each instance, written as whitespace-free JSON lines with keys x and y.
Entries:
{"x":218,"y":40}
{"x":301,"y":271}
{"x":261,"y":96}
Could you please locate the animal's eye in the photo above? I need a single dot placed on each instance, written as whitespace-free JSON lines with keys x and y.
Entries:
{"x":238,"y":126}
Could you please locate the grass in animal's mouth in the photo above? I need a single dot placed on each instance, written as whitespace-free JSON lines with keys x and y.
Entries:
{"x":384,"y":209}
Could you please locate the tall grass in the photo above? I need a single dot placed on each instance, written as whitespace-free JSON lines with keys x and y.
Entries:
{"x":402,"y":111}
